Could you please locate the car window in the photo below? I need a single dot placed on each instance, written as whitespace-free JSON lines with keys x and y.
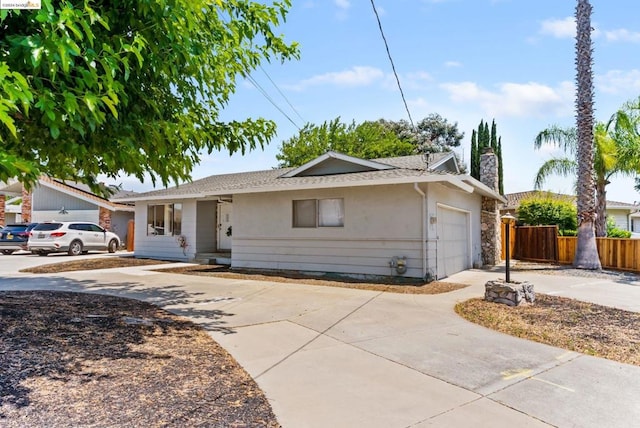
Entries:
{"x":77,"y":226}
{"x":95,"y":228}
{"x":47,"y":226}
{"x":15,"y":228}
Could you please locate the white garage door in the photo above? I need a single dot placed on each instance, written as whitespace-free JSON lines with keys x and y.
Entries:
{"x":453,"y":241}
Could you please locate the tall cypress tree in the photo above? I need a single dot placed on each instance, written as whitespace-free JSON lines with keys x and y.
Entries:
{"x":475,"y":167}
{"x":500,"y":170}
{"x":482,"y":139}
{"x":494,"y":137}
{"x":486,"y":142}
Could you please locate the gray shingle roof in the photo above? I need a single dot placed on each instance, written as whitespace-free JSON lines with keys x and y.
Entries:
{"x":514,"y":199}
{"x":404,"y":167}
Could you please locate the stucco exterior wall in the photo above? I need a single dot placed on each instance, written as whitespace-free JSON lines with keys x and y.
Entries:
{"x":379,"y":224}
{"x":161,"y":246}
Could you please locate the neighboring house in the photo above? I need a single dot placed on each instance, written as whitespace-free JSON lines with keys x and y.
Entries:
{"x":625,"y":215}
{"x":53,"y":199}
{"x":335,"y":214}
{"x":12,"y":210}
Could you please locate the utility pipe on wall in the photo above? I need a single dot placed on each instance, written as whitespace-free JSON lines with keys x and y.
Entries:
{"x":424,"y":228}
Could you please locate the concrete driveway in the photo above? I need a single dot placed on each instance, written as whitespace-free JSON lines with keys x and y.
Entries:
{"x":332,"y":357}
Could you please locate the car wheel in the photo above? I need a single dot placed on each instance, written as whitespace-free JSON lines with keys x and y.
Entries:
{"x":113,"y":246}
{"x":75,"y":249}
{"x":7,"y":252}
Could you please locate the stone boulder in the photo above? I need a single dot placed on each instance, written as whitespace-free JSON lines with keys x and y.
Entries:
{"x":512,"y":293}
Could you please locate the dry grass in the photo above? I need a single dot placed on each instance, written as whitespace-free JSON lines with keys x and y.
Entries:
{"x":76,"y":359}
{"x":566,"y":323}
{"x":91,"y":264}
{"x":400,"y":285}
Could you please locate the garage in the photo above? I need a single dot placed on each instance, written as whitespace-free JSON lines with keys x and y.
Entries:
{"x":454,"y":252}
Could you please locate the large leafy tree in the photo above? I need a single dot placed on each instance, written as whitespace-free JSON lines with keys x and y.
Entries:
{"x":432,"y":134}
{"x":586,"y":250}
{"x":134,"y":87}
{"x":367,"y":140}
{"x":627,"y":126}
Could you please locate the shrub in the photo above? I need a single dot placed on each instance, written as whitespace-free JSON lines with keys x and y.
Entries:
{"x":615,"y":232}
{"x":544,"y":210}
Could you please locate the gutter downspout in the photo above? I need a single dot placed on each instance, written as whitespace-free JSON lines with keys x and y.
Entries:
{"x":424,"y":228}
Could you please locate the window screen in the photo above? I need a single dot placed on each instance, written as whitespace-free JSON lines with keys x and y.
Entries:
{"x":304,"y":213}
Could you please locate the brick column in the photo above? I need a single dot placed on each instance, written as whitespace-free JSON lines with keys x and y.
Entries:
{"x":26,"y":206}
{"x":491,"y":230}
{"x":104,"y":218}
{"x":3,"y":203}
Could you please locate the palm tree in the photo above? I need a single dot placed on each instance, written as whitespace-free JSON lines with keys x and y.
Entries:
{"x":586,"y":251}
{"x":615,"y":152}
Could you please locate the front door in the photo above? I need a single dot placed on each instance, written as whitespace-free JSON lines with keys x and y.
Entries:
{"x":224,"y":226}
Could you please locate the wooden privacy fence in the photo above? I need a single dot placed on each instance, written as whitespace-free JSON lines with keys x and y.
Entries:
{"x":536,"y":243}
{"x":615,"y":253}
{"x":131,"y":231}
{"x":542,"y":244}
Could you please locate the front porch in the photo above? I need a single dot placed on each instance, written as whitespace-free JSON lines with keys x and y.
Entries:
{"x":214,"y":258}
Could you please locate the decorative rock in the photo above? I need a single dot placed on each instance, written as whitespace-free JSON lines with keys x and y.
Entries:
{"x":512,"y":293}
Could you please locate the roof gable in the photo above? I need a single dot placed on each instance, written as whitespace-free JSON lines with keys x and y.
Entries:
{"x":446,"y":163}
{"x":332,"y":163}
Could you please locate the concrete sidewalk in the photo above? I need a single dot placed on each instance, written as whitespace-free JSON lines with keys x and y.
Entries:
{"x":348,"y":358}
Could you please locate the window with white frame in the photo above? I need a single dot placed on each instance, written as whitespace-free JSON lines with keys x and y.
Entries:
{"x":164,"y":219}
{"x":314,"y":213}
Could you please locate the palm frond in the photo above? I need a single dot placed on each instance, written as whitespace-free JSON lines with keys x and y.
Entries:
{"x":565,"y":139}
{"x":557,"y":166}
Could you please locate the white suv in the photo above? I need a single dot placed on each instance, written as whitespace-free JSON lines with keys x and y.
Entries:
{"x":74,"y":237}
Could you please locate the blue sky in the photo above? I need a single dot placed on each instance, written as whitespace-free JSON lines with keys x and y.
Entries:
{"x":508,"y":60}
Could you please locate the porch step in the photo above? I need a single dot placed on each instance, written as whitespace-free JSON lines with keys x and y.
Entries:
{"x":218,"y":258}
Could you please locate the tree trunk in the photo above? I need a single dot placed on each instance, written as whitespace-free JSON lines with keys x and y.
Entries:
{"x":586,"y":252}
{"x":601,"y":204}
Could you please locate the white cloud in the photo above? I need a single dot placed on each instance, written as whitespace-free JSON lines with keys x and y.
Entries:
{"x":516,"y":99}
{"x":356,"y":76}
{"x":414,"y":80}
{"x":566,"y":28}
{"x":559,"y":28}
{"x":622,"y":35}
{"x":417,"y":80}
{"x":452,"y":64}
{"x":343,"y":8}
{"x":619,"y":82}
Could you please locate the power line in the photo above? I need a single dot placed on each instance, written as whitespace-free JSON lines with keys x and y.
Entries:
{"x":393,"y":67}
{"x":282,"y":94}
{"x":266,"y":95}
{"x":264,"y":92}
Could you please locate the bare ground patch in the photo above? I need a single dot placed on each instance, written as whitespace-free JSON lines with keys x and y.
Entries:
{"x":566,"y":323}
{"x":91,"y":264}
{"x":75,"y":359}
